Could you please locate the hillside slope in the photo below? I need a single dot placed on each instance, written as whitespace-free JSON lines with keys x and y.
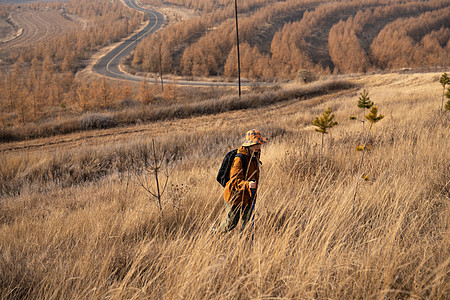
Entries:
{"x":76,"y":222}
{"x":285,"y":37}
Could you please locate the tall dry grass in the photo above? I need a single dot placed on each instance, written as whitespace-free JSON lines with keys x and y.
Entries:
{"x":102,"y":237}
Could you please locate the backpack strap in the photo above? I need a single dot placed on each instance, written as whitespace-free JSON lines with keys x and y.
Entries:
{"x":244,"y":162}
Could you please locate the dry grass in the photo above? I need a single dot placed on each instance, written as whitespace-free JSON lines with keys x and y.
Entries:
{"x":97,"y":237}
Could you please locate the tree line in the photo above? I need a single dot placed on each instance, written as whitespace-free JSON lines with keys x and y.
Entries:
{"x":335,"y":37}
{"x":371,"y":47}
{"x":414,"y":42}
{"x":201,"y":47}
{"x":278,"y":41}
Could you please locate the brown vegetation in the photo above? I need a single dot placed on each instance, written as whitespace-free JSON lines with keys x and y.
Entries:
{"x":353,"y":37}
{"x":36,"y":26}
{"x":154,"y":113}
{"x":286,"y":37}
{"x":202,"y":50}
{"x":414,"y":42}
{"x":41,"y":79}
{"x":278,"y":41}
{"x":76,"y":223}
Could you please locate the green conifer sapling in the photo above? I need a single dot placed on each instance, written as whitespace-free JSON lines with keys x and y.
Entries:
{"x":323,"y":123}
{"x":363,"y":102}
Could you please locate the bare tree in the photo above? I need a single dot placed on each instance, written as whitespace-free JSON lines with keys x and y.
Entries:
{"x":149,"y":176}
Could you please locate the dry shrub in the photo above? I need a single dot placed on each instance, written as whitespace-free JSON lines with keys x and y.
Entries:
{"x":96,"y":121}
{"x":306,"y":76}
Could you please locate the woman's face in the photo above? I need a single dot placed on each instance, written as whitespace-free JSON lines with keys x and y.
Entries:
{"x":255,"y":148}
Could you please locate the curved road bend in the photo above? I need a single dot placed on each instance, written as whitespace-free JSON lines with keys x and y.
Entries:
{"x":109,"y":64}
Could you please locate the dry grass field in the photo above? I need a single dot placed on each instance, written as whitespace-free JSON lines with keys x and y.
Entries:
{"x":75,"y":222}
{"x":34,"y":27}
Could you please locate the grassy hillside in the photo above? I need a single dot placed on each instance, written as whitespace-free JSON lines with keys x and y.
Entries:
{"x":89,"y":230}
{"x":192,"y":106}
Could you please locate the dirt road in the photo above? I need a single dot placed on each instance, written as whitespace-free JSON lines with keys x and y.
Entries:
{"x":383,"y":87}
{"x":109,"y":64}
{"x":128,"y":134}
{"x":37,"y":26}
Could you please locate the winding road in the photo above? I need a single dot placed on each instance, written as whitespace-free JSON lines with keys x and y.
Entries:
{"x":108,"y":65}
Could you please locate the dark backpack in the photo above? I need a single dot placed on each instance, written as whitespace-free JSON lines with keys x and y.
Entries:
{"x":224,"y":172}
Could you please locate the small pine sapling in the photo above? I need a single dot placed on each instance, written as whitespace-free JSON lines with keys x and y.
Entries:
{"x":373,"y":118}
{"x":323,"y":123}
{"x":444,"y":80}
{"x":363,"y":102}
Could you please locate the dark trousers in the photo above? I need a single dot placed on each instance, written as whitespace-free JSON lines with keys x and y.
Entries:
{"x":234,"y":213}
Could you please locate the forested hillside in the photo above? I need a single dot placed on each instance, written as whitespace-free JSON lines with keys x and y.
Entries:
{"x":278,"y":41}
{"x":280,"y":38}
{"x":39,"y":80}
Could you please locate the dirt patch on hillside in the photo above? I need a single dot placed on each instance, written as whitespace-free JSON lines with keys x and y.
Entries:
{"x":30,"y":27}
{"x":7,"y":31}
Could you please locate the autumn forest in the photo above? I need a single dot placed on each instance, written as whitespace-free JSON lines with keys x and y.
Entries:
{"x":279,"y":40}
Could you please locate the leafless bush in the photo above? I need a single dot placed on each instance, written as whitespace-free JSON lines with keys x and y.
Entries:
{"x":148,"y":177}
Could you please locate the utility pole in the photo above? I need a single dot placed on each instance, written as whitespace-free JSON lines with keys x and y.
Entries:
{"x":160,"y":69}
{"x":237,"y":39}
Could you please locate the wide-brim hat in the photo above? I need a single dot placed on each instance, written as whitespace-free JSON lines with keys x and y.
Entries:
{"x":253,"y":137}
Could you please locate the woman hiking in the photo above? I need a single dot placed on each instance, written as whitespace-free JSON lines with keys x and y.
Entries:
{"x":240,"y":190}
